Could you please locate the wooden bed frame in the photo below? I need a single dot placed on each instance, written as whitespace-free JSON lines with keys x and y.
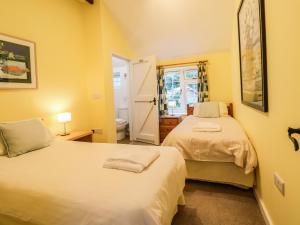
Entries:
{"x":190,"y":109}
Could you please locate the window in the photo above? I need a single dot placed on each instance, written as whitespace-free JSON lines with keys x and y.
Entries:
{"x":117,"y":79}
{"x":181,"y":88}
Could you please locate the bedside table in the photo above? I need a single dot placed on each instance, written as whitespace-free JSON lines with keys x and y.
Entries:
{"x":167,"y":124}
{"x":83,"y":136}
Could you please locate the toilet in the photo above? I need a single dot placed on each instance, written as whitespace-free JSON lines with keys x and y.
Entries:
{"x":122,"y":123}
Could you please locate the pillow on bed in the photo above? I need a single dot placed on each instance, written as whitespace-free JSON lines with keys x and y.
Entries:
{"x":207,"y":110}
{"x":223,"y":109}
{"x":2,"y":147}
{"x":24,"y":136}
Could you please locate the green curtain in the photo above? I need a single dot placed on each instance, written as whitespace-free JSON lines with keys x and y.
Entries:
{"x":163,"y":105}
{"x":203,"y":95}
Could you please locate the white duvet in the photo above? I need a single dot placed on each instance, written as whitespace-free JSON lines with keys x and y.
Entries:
{"x":229,"y":145}
{"x":65,"y":184}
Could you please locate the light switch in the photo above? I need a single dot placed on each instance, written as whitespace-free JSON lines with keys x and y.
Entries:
{"x":279,"y":183}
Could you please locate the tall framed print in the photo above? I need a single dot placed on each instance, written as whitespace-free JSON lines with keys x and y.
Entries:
{"x":253,"y":60}
{"x":17,"y":63}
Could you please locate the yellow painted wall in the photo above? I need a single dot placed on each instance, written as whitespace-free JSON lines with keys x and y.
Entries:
{"x":75,"y":43}
{"x":57,"y":29}
{"x":219,"y":73}
{"x":102,"y":29}
{"x":268,"y":131}
{"x":113,"y":42}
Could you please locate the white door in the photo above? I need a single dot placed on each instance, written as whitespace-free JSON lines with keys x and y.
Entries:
{"x":144,"y":101}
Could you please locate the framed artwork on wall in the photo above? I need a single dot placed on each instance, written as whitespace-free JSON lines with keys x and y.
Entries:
{"x":17,"y":63}
{"x":253,"y":60}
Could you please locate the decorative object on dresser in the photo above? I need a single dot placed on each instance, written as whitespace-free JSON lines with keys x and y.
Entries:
{"x":167,"y":124}
{"x":17,"y":63}
{"x":253,"y":56}
{"x":172,"y":105}
{"x":83,"y":136}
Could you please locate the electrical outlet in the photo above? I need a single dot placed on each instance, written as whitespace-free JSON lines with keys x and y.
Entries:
{"x":279,"y":183}
{"x":97,"y":131}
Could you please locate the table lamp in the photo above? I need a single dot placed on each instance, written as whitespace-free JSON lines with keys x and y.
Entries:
{"x":172,"y":105}
{"x":64,"y":118}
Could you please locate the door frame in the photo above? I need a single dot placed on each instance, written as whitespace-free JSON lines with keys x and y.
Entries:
{"x":128,"y":90}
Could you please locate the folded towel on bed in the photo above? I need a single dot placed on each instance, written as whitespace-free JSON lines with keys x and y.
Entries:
{"x":207,"y":127}
{"x":133,"y":160}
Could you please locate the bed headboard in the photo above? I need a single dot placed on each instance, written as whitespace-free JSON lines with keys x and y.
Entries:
{"x":190,"y":109}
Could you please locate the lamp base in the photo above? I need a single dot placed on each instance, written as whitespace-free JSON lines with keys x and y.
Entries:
{"x":66,"y":134}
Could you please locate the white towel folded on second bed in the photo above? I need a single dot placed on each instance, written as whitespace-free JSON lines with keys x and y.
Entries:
{"x":133,"y":160}
{"x":207,"y":127}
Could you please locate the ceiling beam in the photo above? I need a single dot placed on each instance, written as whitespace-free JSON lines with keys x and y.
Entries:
{"x":90,"y":1}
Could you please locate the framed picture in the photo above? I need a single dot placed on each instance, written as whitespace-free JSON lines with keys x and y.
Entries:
{"x":17,"y":63}
{"x":253,"y":60}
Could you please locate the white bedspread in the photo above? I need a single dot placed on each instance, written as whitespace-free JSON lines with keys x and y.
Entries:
{"x":65,"y":184}
{"x":229,"y":145}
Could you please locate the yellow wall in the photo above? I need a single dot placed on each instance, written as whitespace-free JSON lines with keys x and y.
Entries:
{"x":104,"y":30}
{"x":268,"y":131}
{"x":75,"y":43}
{"x":57,"y":29}
{"x":219,"y":73}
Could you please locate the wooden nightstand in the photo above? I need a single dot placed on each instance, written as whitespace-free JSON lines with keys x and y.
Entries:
{"x":167,"y":124}
{"x":83,"y":136}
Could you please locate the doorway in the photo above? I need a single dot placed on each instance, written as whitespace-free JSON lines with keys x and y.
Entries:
{"x":136,"y":100}
{"x":120,"y":68}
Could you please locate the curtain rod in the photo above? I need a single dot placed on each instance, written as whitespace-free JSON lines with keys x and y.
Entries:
{"x":182,"y":64}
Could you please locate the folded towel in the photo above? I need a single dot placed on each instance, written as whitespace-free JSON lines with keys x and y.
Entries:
{"x":207,"y":127}
{"x":127,"y":166}
{"x":133,"y":160}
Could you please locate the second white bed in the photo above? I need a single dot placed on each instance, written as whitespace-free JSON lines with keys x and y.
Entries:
{"x":215,"y":152}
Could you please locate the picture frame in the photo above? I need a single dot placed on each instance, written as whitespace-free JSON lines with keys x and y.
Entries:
{"x":17,"y":63}
{"x":252,"y":54}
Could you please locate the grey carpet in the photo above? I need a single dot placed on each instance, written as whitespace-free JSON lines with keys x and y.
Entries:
{"x":217,"y":204}
{"x":127,"y":141}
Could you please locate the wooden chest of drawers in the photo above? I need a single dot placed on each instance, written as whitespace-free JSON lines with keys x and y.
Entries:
{"x":166,"y":125}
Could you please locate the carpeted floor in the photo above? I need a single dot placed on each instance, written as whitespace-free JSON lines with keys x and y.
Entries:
{"x":127,"y":141}
{"x":217,"y":204}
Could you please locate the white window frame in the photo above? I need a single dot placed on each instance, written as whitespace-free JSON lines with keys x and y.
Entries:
{"x":114,"y":76}
{"x":183,"y":82}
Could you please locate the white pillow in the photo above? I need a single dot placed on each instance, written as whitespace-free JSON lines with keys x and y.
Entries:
{"x":223,"y":109}
{"x":207,"y":110}
{"x":24,"y":136}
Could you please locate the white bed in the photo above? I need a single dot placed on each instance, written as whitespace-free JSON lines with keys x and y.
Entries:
{"x":65,"y":184}
{"x":226,"y":156}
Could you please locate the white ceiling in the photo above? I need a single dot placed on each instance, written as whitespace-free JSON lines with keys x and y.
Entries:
{"x":173,"y":28}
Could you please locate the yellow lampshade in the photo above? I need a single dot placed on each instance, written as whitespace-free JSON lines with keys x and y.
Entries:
{"x":64,"y":117}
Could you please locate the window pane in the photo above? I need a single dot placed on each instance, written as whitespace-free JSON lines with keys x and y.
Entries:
{"x":173,"y":90}
{"x":191,"y":74}
{"x":117,"y":79}
{"x":191,"y":93}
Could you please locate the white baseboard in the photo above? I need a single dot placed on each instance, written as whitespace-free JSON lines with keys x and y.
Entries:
{"x":263,"y":209}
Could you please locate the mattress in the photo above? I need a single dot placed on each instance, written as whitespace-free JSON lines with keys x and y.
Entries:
{"x":219,"y":172}
{"x":65,"y":184}
{"x":231,"y":144}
